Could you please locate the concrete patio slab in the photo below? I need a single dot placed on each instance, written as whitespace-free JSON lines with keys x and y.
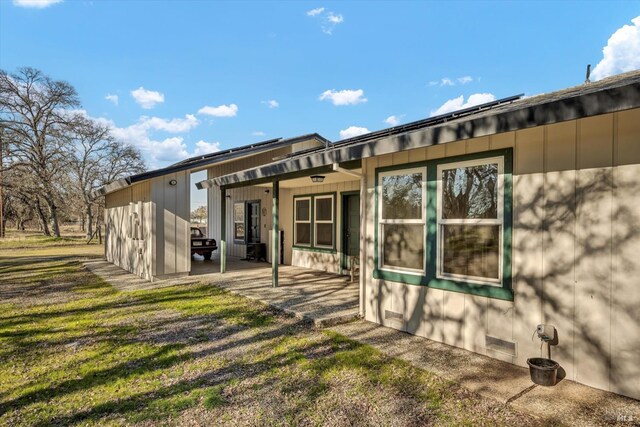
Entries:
{"x":316,"y":296}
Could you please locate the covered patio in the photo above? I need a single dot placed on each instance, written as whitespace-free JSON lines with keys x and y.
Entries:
{"x":321,"y":297}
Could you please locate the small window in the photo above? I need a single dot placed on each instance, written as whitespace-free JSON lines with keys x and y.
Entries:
{"x":402,"y":220}
{"x":302,"y":220}
{"x":470,"y":221}
{"x":238,"y":222}
{"x":323,"y":221}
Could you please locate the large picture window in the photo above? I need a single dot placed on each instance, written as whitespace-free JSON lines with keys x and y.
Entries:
{"x":302,"y":221}
{"x":446,"y":223}
{"x":323,"y":221}
{"x":402,"y":220}
{"x":470,"y":221}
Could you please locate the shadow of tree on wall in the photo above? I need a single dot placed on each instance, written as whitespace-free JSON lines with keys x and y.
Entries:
{"x":575,"y":241}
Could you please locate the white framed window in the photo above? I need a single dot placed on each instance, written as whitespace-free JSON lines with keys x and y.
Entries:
{"x":302,"y":221}
{"x":323,"y":221}
{"x":239,"y":234}
{"x":402,"y":201}
{"x":470,"y":221}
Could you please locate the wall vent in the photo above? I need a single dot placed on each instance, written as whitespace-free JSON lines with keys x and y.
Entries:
{"x":503,"y":346}
{"x":393,"y":315}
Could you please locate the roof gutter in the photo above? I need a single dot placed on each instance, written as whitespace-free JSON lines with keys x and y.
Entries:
{"x":110,"y":188}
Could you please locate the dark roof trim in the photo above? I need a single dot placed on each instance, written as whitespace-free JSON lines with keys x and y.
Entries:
{"x":515,"y":116}
{"x":220,"y":156}
{"x":209,"y":159}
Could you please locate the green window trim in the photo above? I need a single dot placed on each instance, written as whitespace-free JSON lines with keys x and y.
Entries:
{"x":311,"y":247}
{"x":505,"y":290}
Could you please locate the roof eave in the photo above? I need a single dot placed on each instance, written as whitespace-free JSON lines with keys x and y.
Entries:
{"x":605,"y":101}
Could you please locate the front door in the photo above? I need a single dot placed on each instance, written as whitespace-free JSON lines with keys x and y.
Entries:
{"x":351,"y":227}
{"x":253,"y":222}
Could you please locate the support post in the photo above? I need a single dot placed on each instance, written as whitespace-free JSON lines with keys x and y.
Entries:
{"x":275,"y":234}
{"x":223,"y":230}
{"x":363,"y":241}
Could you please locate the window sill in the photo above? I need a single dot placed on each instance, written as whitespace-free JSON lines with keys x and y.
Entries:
{"x":311,"y":249}
{"x":489,"y":291}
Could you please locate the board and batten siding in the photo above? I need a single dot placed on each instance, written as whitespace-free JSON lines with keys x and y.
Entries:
{"x":133,"y":255}
{"x":171,"y":209}
{"x":246,"y":193}
{"x":308,"y":258}
{"x":576,"y":240}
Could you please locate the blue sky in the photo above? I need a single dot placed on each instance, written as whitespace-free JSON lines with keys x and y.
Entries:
{"x":195,"y":76}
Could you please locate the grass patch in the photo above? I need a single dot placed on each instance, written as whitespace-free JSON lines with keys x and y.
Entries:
{"x":77,"y":351}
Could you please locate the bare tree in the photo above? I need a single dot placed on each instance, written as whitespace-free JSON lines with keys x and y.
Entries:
{"x":97,"y":159}
{"x":34,"y":116}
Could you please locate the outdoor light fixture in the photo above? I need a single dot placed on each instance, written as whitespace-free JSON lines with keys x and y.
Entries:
{"x":228,"y":196}
{"x":266,"y":191}
{"x":317,"y":178}
{"x":173,"y":182}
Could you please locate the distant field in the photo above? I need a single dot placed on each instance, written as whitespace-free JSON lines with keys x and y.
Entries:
{"x":33,"y":239}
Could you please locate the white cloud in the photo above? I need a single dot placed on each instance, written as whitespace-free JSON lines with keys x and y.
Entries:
{"x":314,"y":12}
{"x":219,"y":111}
{"x":459,"y":104}
{"x":392,"y":120}
{"x":172,"y":126}
{"x":344,"y":97}
{"x":271,"y":103}
{"x":157,"y":152}
{"x":37,"y":4}
{"x":330,"y":22}
{"x":112,"y":98}
{"x":147,"y":99}
{"x":622,"y":52}
{"x":328,"y":19}
{"x":258,"y":133}
{"x":446,"y":81}
{"x":352,"y":131}
{"x":204,"y":147}
{"x":335,"y":19}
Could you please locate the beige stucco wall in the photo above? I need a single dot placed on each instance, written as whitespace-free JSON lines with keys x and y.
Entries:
{"x":121,"y":248}
{"x":576,"y":240}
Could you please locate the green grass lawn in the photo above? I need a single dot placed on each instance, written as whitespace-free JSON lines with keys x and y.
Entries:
{"x":33,"y":239}
{"x":74,"y":350}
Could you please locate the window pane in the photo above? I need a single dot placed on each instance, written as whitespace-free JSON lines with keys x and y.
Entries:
{"x":324,"y":208}
{"x":324,"y":234}
{"x":238,"y":212}
{"x":239,"y":231}
{"x":402,"y":196}
{"x":403,"y":245}
{"x":470,"y":192}
{"x":471,"y":250}
{"x":303,"y":233}
{"x":302,"y":210}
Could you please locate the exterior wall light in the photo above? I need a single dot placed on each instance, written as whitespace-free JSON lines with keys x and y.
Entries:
{"x":317,"y":178}
{"x":173,"y":182}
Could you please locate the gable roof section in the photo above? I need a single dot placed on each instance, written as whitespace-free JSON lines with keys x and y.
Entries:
{"x":615,"y":93}
{"x":207,"y":160}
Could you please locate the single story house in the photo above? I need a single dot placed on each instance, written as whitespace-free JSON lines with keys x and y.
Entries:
{"x":470,"y":228}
